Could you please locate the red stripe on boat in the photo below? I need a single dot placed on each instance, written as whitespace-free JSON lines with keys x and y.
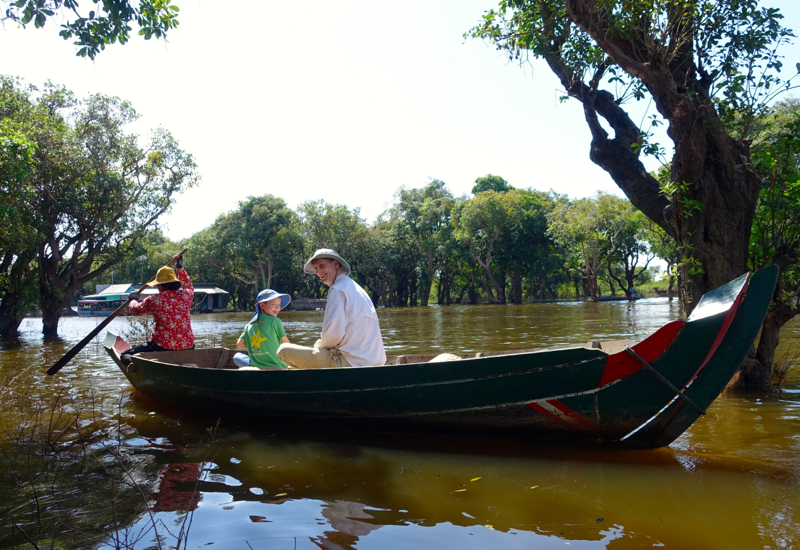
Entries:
{"x":559,"y":412}
{"x":570,"y":413}
{"x":541,"y":410}
{"x":623,"y":364}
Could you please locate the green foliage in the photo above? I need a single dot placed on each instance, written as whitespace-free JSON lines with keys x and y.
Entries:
{"x":89,"y":190}
{"x":490,"y":182}
{"x":732,"y":44}
{"x":108,"y":23}
{"x":152,"y":251}
{"x":420,"y":221}
{"x":602,"y":230}
{"x":776,"y":231}
{"x":504,"y":233}
{"x":679,"y":193}
{"x":330,"y":226}
{"x":258,"y":244}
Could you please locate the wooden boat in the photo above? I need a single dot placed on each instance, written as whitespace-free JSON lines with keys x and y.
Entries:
{"x":98,"y":308}
{"x":664,"y":293}
{"x":641,"y":395}
{"x":619,"y":298}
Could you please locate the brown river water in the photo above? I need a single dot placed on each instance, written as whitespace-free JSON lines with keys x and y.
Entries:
{"x":131,"y":473}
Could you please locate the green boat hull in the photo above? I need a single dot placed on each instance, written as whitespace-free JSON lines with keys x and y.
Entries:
{"x":572,"y":394}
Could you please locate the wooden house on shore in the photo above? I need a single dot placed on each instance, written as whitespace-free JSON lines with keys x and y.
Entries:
{"x":208,"y":298}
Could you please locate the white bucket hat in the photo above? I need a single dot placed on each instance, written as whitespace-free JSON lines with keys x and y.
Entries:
{"x":329,"y":254}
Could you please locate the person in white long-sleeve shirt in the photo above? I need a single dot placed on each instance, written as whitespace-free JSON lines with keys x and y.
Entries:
{"x":351,"y":335}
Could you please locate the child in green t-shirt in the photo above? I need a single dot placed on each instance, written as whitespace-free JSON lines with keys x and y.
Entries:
{"x":264,"y":333}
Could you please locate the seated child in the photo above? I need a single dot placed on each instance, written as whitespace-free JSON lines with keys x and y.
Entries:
{"x":264,"y":333}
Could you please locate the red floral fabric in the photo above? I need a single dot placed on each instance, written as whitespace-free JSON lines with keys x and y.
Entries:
{"x":171,"y":310}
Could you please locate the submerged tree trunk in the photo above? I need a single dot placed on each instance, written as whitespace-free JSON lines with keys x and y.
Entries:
{"x":591,"y":288}
{"x":19,"y":275}
{"x":495,"y":291}
{"x":516,"y":287}
{"x":757,"y":373}
{"x":430,"y":273}
{"x":11,"y":314}
{"x":54,"y":298}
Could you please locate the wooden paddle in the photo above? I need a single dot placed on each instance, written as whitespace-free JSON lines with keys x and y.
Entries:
{"x":74,"y":351}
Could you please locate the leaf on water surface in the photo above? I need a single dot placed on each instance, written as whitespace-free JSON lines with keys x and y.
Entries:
{"x":459,"y":490}
{"x":598,"y":520}
{"x":488,"y":526}
{"x":475,"y":479}
{"x":534,"y":487}
{"x":281,"y":494}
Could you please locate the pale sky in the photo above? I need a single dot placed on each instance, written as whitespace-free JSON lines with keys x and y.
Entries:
{"x":343,"y":101}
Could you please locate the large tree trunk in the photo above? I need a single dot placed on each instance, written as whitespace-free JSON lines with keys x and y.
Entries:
{"x":444,"y":290}
{"x":757,"y":373}
{"x":58,"y":282}
{"x":19,"y":276}
{"x":713,"y":236}
{"x":590,"y":285}
{"x":494,"y":290}
{"x":11,"y":314}
{"x":430,"y":273}
{"x":516,"y":287}
{"x":52,"y":307}
{"x":55,"y":297}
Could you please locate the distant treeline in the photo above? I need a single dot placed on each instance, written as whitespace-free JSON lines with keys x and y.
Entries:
{"x":500,"y":245}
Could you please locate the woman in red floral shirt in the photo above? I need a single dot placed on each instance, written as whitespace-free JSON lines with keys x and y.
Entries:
{"x":171,"y":310}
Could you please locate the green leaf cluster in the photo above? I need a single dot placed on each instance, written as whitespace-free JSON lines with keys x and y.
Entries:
{"x":109,"y":22}
{"x":78,"y":190}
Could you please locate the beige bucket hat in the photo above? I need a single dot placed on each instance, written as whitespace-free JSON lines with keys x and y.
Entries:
{"x":329,"y":254}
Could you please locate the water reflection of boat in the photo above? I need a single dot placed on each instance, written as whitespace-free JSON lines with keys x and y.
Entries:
{"x":638,"y":394}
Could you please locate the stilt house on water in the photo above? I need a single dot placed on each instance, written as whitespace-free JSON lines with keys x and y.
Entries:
{"x":207,"y":298}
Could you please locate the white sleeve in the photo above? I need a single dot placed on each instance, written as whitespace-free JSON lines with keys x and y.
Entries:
{"x":334,"y":323}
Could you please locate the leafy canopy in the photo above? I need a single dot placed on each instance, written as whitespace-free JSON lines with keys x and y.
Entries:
{"x":729,"y":46}
{"x":107,"y":22}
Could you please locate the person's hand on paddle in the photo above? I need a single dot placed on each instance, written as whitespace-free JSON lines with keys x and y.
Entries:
{"x":178,"y":262}
{"x":134,"y":297}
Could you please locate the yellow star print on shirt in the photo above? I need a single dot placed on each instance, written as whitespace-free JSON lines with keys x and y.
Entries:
{"x":256,"y":339}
